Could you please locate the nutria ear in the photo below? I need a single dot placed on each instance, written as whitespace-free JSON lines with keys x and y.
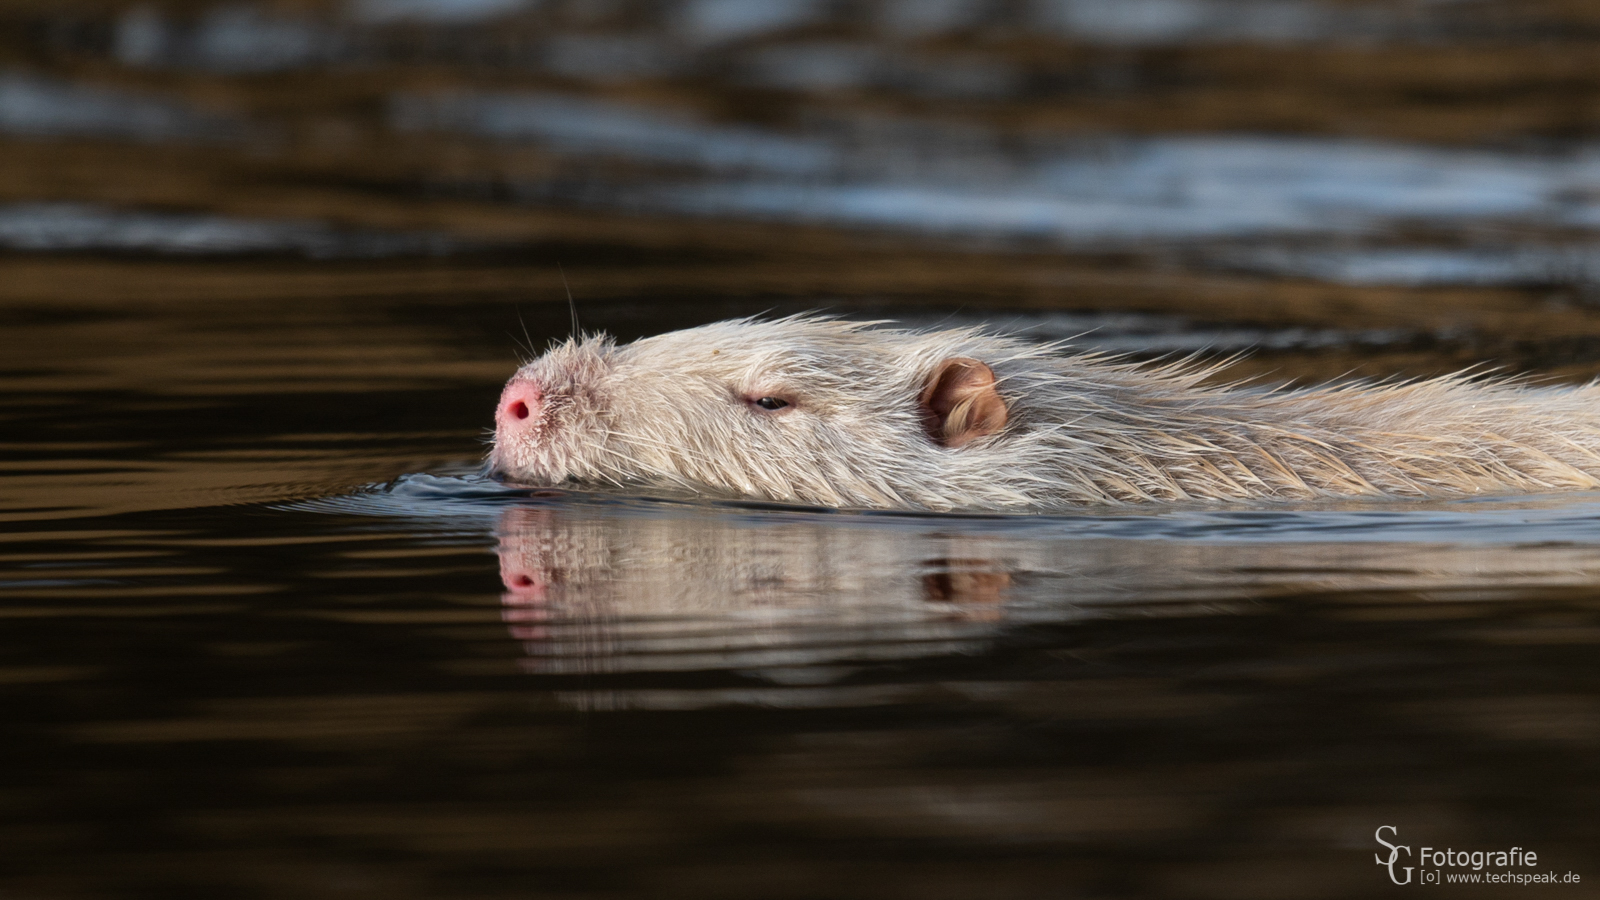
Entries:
{"x":959,"y":403}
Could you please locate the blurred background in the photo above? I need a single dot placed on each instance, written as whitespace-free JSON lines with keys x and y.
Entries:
{"x":264,"y":267}
{"x":1405,"y":173}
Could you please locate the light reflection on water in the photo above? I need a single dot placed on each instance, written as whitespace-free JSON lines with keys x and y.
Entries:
{"x":33,"y":106}
{"x":1238,"y":198}
{"x":69,"y":227}
{"x":580,"y":126}
{"x":1113,"y":192}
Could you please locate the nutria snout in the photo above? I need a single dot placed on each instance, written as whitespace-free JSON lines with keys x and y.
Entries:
{"x":827,"y":412}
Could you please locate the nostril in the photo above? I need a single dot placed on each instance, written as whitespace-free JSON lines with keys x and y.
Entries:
{"x":519,"y":401}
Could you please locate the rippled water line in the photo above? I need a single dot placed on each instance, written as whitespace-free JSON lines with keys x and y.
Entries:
{"x":1517,"y":519}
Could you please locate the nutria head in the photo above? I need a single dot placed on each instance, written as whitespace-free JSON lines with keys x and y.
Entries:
{"x":820,"y":411}
{"x":802,"y":409}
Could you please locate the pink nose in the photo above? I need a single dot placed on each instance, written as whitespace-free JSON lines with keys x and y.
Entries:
{"x":519,"y":403}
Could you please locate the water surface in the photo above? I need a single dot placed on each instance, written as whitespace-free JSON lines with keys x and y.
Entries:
{"x":263,"y":269}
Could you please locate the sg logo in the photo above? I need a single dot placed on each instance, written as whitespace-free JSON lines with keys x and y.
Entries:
{"x":1394,"y":853}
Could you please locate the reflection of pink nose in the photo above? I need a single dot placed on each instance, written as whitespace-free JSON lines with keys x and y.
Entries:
{"x":521,"y":584}
{"x":519,"y":403}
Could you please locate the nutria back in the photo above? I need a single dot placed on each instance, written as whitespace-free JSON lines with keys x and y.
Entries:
{"x":845,"y":414}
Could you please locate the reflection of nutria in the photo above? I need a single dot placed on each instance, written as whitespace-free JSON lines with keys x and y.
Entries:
{"x":838,"y":413}
{"x":594,"y":566}
{"x":584,"y":587}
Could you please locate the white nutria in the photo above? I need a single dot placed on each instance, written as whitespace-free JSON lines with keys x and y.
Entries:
{"x":844,"y":414}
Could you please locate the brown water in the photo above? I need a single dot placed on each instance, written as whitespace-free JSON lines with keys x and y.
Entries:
{"x":263,"y":269}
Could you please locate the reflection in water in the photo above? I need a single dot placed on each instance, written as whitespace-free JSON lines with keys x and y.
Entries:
{"x":798,"y":598}
{"x":608,"y":593}
{"x":717,"y":694}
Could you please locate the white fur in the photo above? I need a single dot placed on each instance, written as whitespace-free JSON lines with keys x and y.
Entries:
{"x":1084,"y":429}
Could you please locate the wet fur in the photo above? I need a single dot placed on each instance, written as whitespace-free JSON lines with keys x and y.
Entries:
{"x":1083,"y":428}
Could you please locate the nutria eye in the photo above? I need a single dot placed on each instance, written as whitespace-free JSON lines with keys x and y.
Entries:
{"x":770,"y":403}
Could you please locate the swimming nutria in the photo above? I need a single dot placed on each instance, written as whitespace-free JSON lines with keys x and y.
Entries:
{"x":846,"y":414}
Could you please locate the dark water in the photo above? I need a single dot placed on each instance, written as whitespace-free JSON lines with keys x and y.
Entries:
{"x":263,"y":269}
